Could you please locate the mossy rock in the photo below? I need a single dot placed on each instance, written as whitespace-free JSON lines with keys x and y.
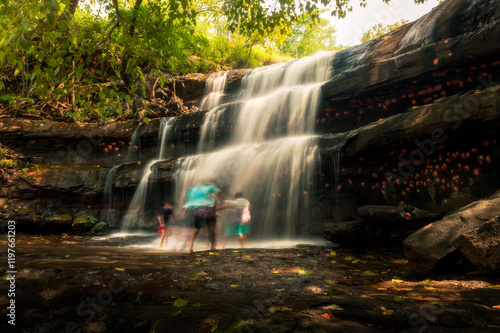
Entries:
{"x":88,"y":220}
{"x":83,"y":223}
{"x":99,"y":227}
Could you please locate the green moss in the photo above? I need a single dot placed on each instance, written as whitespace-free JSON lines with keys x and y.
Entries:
{"x":3,"y":153}
{"x":8,"y":164}
{"x":88,"y":220}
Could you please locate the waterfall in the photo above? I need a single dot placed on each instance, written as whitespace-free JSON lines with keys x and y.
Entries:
{"x":134,"y":149}
{"x":108,"y":185}
{"x":272,"y":156}
{"x":337,"y":142}
{"x":209,"y":128}
{"x":164,"y":135}
{"x":214,"y":90}
{"x":136,"y":214}
{"x":275,"y":175}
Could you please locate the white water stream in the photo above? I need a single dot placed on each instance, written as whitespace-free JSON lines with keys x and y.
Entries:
{"x":272,"y":156}
{"x":214,"y":90}
{"x":135,"y":215}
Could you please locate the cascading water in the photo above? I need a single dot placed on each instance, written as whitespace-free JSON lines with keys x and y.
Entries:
{"x":209,"y":128}
{"x":134,"y":148}
{"x":108,"y":185}
{"x":272,"y":156}
{"x":136,"y":215}
{"x":132,"y":154}
{"x":164,"y":135}
{"x":275,"y":175}
{"x":214,"y":90}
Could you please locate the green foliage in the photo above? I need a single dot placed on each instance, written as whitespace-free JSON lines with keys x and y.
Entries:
{"x":309,"y":35}
{"x":13,"y":99}
{"x":91,"y":59}
{"x":380,"y":30}
{"x":8,"y":164}
{"x":79,"y":59}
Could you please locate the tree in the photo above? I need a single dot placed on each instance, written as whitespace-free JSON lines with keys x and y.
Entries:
{"x":248,"y":16}
{"x":310,"y":35}
{"x":61,"y":51}
{"x":380,"y":30}
{"x":89,"y":58}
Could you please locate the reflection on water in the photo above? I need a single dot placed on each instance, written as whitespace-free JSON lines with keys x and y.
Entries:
{"x":178,"y":241}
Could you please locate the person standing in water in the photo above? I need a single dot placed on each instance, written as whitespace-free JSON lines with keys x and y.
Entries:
{"x":204,"y":201}
{"x":238,"y":218}
{"x":163,"y":220}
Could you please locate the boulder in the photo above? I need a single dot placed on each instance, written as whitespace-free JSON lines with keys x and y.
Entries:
{"x":347,"y":232}
{"x":481,"y":246}
{"x":83,"y":223}
{"x":435,"y":241}
{"x":99,"y":227}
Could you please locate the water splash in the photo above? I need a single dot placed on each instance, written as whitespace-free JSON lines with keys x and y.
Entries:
{"x":214,"y":90}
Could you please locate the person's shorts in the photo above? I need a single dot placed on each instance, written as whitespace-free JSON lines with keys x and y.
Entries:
{"x":160,"y":229}
{"x":204,"y":214}
{"x":236,"y":229}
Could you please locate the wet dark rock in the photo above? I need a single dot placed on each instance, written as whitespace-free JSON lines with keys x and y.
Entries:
{"x":384,"y":213}
{"x":99,"y":228}
{"x":455,"y":32}
{"x":420,"y":121}
{"x":481,"y":246}
{"x":348,"y":232}
{"x":63,"y":220}
{"x":426,"y":247}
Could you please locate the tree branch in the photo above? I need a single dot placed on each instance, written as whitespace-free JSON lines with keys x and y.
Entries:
{"x":116,"y":25}
{"x":214,"y":9}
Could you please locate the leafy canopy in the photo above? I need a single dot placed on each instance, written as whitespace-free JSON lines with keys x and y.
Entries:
{"x":91,"y":59}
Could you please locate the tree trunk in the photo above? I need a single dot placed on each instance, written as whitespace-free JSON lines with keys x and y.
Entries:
{"x":125,"y":56}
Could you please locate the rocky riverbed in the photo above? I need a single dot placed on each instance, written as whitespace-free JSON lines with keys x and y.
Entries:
{"x":95,"y":284}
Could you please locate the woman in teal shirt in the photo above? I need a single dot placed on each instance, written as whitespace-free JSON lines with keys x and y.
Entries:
{"x":203,"y":200}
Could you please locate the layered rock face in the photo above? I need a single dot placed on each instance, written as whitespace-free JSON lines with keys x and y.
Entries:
{"x":411,"y":117}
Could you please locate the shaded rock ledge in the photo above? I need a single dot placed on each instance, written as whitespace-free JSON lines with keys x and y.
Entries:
{"x":433,"y":243}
